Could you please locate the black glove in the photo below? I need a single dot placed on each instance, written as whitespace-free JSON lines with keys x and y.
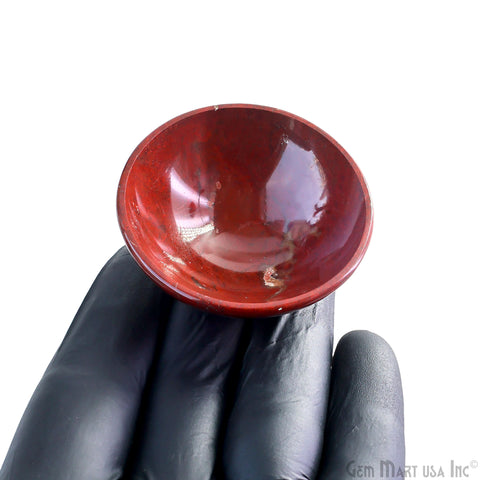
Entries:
{"x":145,"y":387}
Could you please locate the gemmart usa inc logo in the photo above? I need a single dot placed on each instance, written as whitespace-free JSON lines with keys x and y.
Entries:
{"x":388,"y":469}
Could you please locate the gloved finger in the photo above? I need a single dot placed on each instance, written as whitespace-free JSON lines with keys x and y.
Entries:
{"x":186,"y":399}
{"x":365,"y":413}
{"x":79,"y":422}
{"x":276,"y":425}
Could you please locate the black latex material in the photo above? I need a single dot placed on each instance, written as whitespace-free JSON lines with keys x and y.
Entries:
{"x":144,"y":387}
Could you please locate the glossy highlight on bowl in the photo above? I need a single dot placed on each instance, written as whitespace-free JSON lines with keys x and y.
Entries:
{"x":244,"y":210}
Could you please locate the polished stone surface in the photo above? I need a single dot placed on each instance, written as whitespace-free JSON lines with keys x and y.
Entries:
{"x":244,"y":210}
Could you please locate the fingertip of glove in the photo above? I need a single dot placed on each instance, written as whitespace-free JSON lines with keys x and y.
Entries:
{"x":366,"y":350}
{"x":366,"y":367}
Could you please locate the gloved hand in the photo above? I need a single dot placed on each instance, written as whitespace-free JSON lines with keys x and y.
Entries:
{"x":145,"y":387}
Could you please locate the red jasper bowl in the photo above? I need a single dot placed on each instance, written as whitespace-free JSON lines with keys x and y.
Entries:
{"x":244,"y":210}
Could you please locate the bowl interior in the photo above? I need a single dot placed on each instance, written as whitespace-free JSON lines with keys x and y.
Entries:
{"x":244,"y":210}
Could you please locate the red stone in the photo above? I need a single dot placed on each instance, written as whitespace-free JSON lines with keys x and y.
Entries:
{"x":244,"y":210}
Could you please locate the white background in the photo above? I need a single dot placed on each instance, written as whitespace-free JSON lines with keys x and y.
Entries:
{"x":396,"y":83}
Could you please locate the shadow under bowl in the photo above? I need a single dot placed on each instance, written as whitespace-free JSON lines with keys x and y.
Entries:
{"x":244,"y":210}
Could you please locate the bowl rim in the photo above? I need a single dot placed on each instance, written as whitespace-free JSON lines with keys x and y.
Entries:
{"x":227,"y":307}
